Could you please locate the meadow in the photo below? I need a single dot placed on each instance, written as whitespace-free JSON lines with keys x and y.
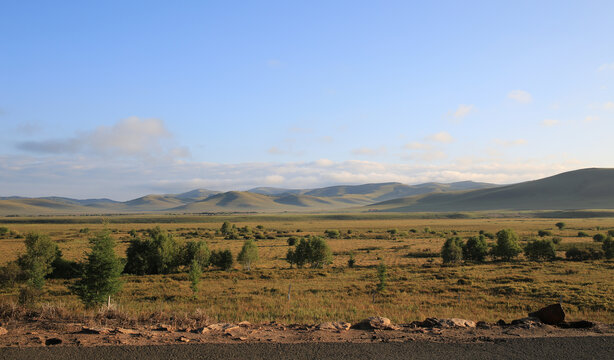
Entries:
{"x":418,"y":284}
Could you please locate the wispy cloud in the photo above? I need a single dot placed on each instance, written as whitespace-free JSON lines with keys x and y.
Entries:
{"x":605,"y":67}
{"x":510,"y":142}
{"x":520,"y":96}
{"x":441,"y":137}
{"x":550,"y":122}
{"x":129,"y":137}
{"x":274,"y":150}
{"x":462,"y":111}
{"x":609,"y":105}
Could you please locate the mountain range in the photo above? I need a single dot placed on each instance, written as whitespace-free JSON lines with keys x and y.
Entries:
{"x":580,"y":189}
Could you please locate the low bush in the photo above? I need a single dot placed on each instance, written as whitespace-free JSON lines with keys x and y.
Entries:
{"x":540,"y":250}
{"x":542,"y":233}
{"x":475,"y":249}
{"x":452,"y":250}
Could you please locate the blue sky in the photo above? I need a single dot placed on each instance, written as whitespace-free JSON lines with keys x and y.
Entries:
{"x":122,"y":98}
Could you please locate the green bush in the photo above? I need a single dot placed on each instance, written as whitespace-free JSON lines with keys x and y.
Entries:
{"x":194,"y":274}
{"x":576,"y":254}
{"x":599,"y":237}
{"x":37,"y":262}
{"x":507,"y":247}
{"x":222,"y":259}
{"x":101,"y":272}
{"x":542,"y":233}
{"x":382,"y":275}
{"x":540,"y":250}
{"x":583,"y":234}
{"x":475,"y":249}
{"x":10,"y":275}
{"x":292,"y":240}
{"x":3,"y":230}
{"x":351,"y":261}
{"x":157,"y":254}
{"x":557,"y":240}
{"x":611,"y":233}
{"x":452,"y":250}
{"x":332,"y":234}
{"x":248,"y":254}
{"x":196,"y":251}
{"x":313,"y":250}
{"x":560,"y":225}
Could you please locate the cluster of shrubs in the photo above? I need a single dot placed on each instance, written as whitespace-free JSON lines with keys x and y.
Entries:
{"x":312,"y":250}
{"x":606,"y":251}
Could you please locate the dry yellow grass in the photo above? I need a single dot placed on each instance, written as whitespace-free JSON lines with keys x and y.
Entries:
{"x":417,"y":287}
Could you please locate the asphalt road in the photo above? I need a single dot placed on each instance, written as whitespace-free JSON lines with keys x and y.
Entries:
{"x":601,"y":347}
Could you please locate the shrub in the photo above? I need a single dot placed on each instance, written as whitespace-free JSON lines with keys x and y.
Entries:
{"x":382,"y":275}
{"x":292,"y":240}
{"x":392,"y":231}
{"x":332,"y":234}
{"x":608,"y":247}
{"x":222,"y":259}
{"x":576,"y":254}
{"x":452,"y":250}
{"x":611,"y":233}
{"x":3,"y":230}
{"x":556,"y":240}
{"x":36,"y":263}
{"x":248,"y":254}
{"x":196,"y":251}
{"x":313,"y":250}
{"x":351,"y":261}
{"x":65,"y":269}
{"x":583,"y":234}
{"x":158,"y":254}
{"x":194,"y":275}
{"x":507,"y":246}
{"x":10,"y":274}
{"x":542,"y":233}
{"x":560,"y":225}
{"x":475,"y":248}
{"x":540,"y":250}
{"x":226,"y":228}
{"x":101,"y":272}
{"x":599,"y":237}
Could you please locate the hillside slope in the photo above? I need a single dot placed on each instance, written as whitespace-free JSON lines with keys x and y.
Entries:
{"x":580,"y":189}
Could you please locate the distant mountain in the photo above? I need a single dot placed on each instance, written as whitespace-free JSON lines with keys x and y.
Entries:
{"x":580,"y":189}
{"x":195,"y":195}
{"x":274,"y":191}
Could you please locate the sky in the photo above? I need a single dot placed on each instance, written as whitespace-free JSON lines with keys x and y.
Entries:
{"x":119,"y":99}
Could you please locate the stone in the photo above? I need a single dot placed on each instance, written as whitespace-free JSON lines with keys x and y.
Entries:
{"x":483,"y":325}
{"x":53,"y":341}
{"x":127,"y":331}
{"x":245,"y":323}
{"x":551,"y":314}
{"x":375,"y":322}
{"x":336,"y":325}
{"x":582,"y":324}
{"x":445,"y":323}
{"x":93,"y":331}
{"x":166,"y":328}
{"x":202,"y":330}
{"x":183,"y":339}
{"x":527,"y":322}
{"x":3,"y":331}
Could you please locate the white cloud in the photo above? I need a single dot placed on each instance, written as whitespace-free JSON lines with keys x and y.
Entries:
{"x":274,"y":180}
{"x":463,"y":110}
{"x":128,"y":137}
{"x":550,"y":122}
{"x":414,"y":145}
{"x":441,"y":137}
{"x":370,"y":151}
{"x":605,"y":67}
{"x":590,"y":119}
{"x":520,"y":96}
{"x":609,"y":105}
{"x":274,"y":150}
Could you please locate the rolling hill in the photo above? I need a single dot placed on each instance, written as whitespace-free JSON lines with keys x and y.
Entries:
{"x":580,"y":189}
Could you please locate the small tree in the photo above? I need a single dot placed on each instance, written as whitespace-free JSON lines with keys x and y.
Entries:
{"x":36,"y":262}
{"x":540,"y":250}
{"x":226,"y":228}
{"x":608,"y":247}
{"x":611,"y":233}
{"x":194,"y":275}
{"x":292,"y":240}
{"x":475,"y":249}
{"x":319,"y":254}
{"x":560,"y":225}
{"x":222,"y":259}
{"x":542,"y":233}
{"x":351,"y":261}
{"x":599,"y":237}
{"x":332,"y":234}
{"x":248,"y":254}
{"x":382,"y":275}
{"x":101,"y":272}
{"x":452,"y":250}
{"x":507,"y":247}
{"x":196,"y":251}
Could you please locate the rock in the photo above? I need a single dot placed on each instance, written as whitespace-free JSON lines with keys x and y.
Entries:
{"x":202,"y":330}
{"x":551,"y":314}
{"x":225,"y":327}
{"x":230,"y":329}
{"x":527,"y":322}
{"x":483,"y":325}
{"x":127,"y":331}
{"x":53,"y":341}
{"x":166,"y":328}
{"x":337,"y":325}
{"x":375,"y":322}
{"x":183,"y":339}
{"x":582,"y":324}
{"x":245,"y":323}
{"x":445,"y":323}
{"x":3,"y":331}
{"x":93,"y":331}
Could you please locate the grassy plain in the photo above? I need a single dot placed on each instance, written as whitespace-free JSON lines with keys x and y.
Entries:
{"x":419,"y":285}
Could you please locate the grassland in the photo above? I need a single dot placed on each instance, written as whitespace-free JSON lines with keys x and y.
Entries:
{"x":419,"y":285}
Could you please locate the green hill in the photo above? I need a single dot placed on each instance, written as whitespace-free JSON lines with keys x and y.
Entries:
{"x":580,"y":189}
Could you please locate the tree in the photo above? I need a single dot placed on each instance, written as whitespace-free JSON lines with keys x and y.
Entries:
{"x":452,"y":250}
{"x":248,"y":254}
{"x":222,"y":259}
{"x":194,"y":275}
{"x":101,"y":272}
{"x":319,"y":254}
{"x":226,"y":228}
{"x":351,"y":261}
{"x":36,"y":263}
{"x":608,"y":247}
{"x":157,"y":254}
{"x":599,"y":237}
{"x":507,"y":247}
{"x":540,"y":250}
{"x":560,"y":225}
{"x":291,"y":257}
{"x":475,"y":248}
{"x":542,"y":233}
{"x":292,"y":240}
{"x":196,"y":251}
{"x":382,"y":275}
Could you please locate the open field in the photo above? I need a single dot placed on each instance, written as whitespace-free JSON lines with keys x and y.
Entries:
{"x":419,"y":285}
